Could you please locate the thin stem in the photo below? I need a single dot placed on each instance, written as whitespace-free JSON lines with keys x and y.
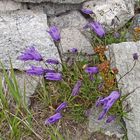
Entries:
{"x":128,"y":71}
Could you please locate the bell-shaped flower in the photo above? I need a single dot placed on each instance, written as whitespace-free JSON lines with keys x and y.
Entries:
{"x":53,"y":76}
{"x":87,"y":11}
{"x":30,"y":54}
{"x":52,"y":61}
{"x":61,"y":107}
{"x":107,"y":103}
{"x":35,"y":71}
{"x":54,"y":33}
{"x":76,"y":88}
{"x":56,"y":117}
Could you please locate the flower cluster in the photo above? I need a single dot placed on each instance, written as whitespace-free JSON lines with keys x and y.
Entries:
{"x":107,"y":103}
{"x":31,"y":53}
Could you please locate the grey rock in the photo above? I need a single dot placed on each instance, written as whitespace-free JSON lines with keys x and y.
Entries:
{"x":19,"y":29}
{"x":122,"y":54}
{"x":54,"y":9}
{"x":72,"y":33}
{"x":73,"y":38}
{"x":72,"y":19}
{"x":110,"y":13}
{"x":27,"y":84}
{"x":8,"y":5}
{"x":96,"y":125}
{"x":133,"y":34}
{"x":54,"y":1}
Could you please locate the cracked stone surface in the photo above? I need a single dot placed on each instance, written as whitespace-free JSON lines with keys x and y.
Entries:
{"x":54,"y":9}
{"x":72,"y":19}
{"x":73,"y":38}
{"x":27,"y":85}
{"x":72,"y":33}
{"x":18,"y":30}
{"x":54,"y":1}
{"x":111,"y":13}
{"x":122,"y":54}
{"x":132,"y":35}
{"x":8,"y":5}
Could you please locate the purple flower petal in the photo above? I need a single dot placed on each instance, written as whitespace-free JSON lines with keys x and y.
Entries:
{"x":76,"y":88}
{"x":110,"y":119}
{"x":87,"y":11}
{"x":61,"y":106}
{"x":92,"y":70}
{"x":102,"y":114}
{"x":135,"y":56}
{"x":52,"y":61}
{"x":108,"y":102}
{"x":73,"y":50}
{"x":56,"y":117}
{"x":54,"y":33}
{"x":30,"y":54}
{"x":97,"y":28}
{"x":35,"y":71}
{"x":53,"y":76}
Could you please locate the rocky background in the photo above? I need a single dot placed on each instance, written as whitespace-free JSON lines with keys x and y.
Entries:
{"x":25,"y":22}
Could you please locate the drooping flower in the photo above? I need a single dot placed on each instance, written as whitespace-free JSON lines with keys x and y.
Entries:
{"x":53,"y":76}
{"x":73,"y":50}
{"x":135,"y":56}
{"x":107,"y":103}
{"x":52,"y":61}
{"x":35,"y":71}
{"x":54,"y":33}
{"x":96,"y":27}
{"x":87,"y":11}
{"x":76,"y":88}
{"x":56,"y":117}
{"x":92,"y":70}
{"x":30,"y":54}
{"x":61,"y":106}
{"x":110,"y":119}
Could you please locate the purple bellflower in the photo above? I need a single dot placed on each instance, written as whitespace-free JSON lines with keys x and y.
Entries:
{"x":53,"y":76}
{"x":30,"y":54}
{"x":54,"y":33}
{"x":61,"y":106}
{"x":91,"y":70}
{"x":52,"y":61}
{"x":73,"y":50}
{"x":107,"y":103}
{"x":110,"y":119}
{"x":56,"y":117}
{"x":87,"y":11}
{"x":76,"y":88}
{"x":96,"y":27}
{"x":35,"y":71}
{"x":135,"y":56}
